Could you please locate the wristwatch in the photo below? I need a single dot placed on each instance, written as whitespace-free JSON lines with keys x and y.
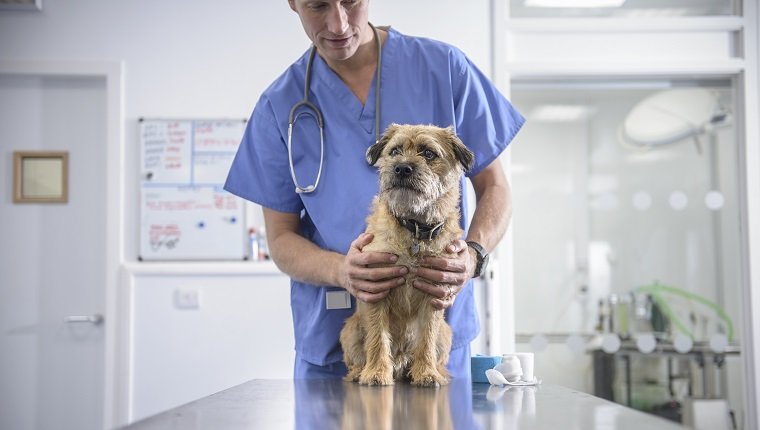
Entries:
{"x":480,"y":268}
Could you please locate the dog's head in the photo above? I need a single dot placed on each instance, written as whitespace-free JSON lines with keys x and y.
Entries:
{"x":419,"y":165}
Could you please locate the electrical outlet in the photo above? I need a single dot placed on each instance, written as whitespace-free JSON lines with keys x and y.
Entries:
{"x":187,"y":298}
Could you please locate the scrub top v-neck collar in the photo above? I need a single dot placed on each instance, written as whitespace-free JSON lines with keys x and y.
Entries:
{"x":363,"y":114}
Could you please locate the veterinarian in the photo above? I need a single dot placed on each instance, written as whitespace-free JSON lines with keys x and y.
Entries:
{"x":316,"y":188}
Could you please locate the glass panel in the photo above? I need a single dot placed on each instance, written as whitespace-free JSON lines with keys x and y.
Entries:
{"x":619,"y":8}
{"x":627,"y":242}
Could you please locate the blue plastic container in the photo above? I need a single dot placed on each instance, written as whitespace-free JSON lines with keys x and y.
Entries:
{"x":480,"y":363}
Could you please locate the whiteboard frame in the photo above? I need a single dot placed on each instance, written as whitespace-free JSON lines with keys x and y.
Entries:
{"x":140,"y":186}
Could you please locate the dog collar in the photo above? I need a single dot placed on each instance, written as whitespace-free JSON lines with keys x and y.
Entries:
{"x":421,"y":231}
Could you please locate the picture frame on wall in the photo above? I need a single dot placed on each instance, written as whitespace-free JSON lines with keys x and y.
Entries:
{"x":25,"y":5}
{"x":40,"y":176}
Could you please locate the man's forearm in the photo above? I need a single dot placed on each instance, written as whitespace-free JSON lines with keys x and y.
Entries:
{"x":493,"y":208}
{"x":491,"y":217}
{"x":304,"y":261}
{"x":295,"y":255}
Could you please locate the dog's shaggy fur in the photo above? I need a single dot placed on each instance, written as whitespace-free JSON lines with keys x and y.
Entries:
{"x":403,"y":336}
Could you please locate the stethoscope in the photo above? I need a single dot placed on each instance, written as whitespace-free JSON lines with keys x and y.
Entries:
{"x":313,"y":111}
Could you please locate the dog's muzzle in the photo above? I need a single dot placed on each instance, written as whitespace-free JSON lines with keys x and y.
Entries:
{"x":403,"y":170}
{"x":403,"y":177}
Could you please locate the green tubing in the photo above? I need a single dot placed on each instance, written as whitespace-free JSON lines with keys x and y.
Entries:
{"x":656,"y":291}
{"x":666,"y":309}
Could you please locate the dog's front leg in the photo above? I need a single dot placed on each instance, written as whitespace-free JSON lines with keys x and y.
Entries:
{"x":378,"y":369}
{"x":352,"y":341}
{"x":425,"y":369}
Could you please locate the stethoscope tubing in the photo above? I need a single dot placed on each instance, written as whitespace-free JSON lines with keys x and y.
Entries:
{"x":314,"y":111}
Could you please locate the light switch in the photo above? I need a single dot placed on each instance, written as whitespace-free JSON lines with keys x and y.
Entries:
{"x":186,"y":298}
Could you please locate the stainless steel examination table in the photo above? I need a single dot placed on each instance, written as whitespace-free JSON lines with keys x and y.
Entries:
{"x":334,"y":404}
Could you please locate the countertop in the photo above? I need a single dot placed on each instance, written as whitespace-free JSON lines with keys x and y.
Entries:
{"x":334,"y":404}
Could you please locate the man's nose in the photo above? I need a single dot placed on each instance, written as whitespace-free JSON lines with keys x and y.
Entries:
{"x":337,"y":20}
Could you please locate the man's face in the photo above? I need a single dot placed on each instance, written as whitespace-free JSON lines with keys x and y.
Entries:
{"x":336,"y":27}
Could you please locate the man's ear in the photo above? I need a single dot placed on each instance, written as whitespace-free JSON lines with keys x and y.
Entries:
{"x":374,"y":151}
{"x":292,"y":4}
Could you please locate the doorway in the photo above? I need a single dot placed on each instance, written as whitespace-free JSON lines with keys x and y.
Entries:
{"x":58,"y":260}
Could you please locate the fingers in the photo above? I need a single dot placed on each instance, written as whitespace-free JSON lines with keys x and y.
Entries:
{"x":376,"y":274}
{"x":442,"y":304}
{"x":372,"y":292}
{"x":365,"y":259}
{"x":443,"y":294}
{"x":372,"y":274}
{"x":438,"y":291}
{"x":358,"y":258}
{"x":457,"y":246}
{"x":442,"y":276}
{"x":457,"y":262}
{"x":444,"y":264}
{"x":363,"y":240}
{"x":373,"y":284}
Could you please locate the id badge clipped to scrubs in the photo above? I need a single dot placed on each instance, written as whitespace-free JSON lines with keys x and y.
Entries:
{"x":337,"y":300}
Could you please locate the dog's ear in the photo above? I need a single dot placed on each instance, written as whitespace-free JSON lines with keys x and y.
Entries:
{"x":374,"y":151}
{"x":461,"y":152}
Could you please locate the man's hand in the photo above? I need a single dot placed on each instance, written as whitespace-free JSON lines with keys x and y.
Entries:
{"x":369,"y":276}
{"x":443,"y":278}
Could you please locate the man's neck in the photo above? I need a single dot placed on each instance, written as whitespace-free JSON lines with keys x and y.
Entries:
{"x":358,"y":71}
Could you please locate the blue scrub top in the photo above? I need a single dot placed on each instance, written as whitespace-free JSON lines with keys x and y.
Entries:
{"x":422,"y":82}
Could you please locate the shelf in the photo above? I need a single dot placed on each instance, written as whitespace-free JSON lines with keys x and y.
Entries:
{"x":207,"y":268}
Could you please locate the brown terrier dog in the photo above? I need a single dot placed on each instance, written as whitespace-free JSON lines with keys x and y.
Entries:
{"x":415,"y":214}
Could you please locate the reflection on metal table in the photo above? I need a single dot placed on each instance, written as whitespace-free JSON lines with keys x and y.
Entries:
{"x":334,"y":404}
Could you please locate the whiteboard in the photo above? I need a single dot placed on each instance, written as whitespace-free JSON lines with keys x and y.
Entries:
{"x":184,"y":212}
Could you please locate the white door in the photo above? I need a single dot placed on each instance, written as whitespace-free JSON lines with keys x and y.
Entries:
{"x":52,"y":258}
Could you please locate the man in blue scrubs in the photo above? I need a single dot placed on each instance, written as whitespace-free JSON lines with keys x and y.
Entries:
{"x":316,"y":238}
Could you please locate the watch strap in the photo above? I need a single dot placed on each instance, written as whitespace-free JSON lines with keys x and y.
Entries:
{"x":481,"y":254}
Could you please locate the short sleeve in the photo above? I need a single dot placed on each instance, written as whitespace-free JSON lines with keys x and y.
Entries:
{"x":485,"y":120}
{"x":260,"y":171}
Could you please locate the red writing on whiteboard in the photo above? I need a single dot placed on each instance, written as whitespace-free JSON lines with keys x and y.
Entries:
{"x":216,"y":143}
{"x":222,"y":201}
{"x":164,"y":236}
{"x":172,"y":162}
{"x":168,"y":205}
{"x":217,"y":135}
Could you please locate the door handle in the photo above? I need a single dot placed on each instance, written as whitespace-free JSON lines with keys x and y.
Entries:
{"x":95,"y":319}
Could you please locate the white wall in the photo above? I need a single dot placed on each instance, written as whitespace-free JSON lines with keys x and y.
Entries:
{"x":193,"y":59}
{"x":206,"y":59}
{"x":241,"y":331}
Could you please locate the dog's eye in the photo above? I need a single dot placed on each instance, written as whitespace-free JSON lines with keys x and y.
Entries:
{"x":395,"y":151}
{"x":428,"y":154}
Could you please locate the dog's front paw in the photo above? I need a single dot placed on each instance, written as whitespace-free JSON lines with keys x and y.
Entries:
{"x":428,"y":379}
{"x":353,"y":374}
{"x":375,"y":377}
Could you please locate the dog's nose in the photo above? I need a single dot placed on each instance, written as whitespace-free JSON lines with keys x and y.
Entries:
{"x":403,"y":170}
